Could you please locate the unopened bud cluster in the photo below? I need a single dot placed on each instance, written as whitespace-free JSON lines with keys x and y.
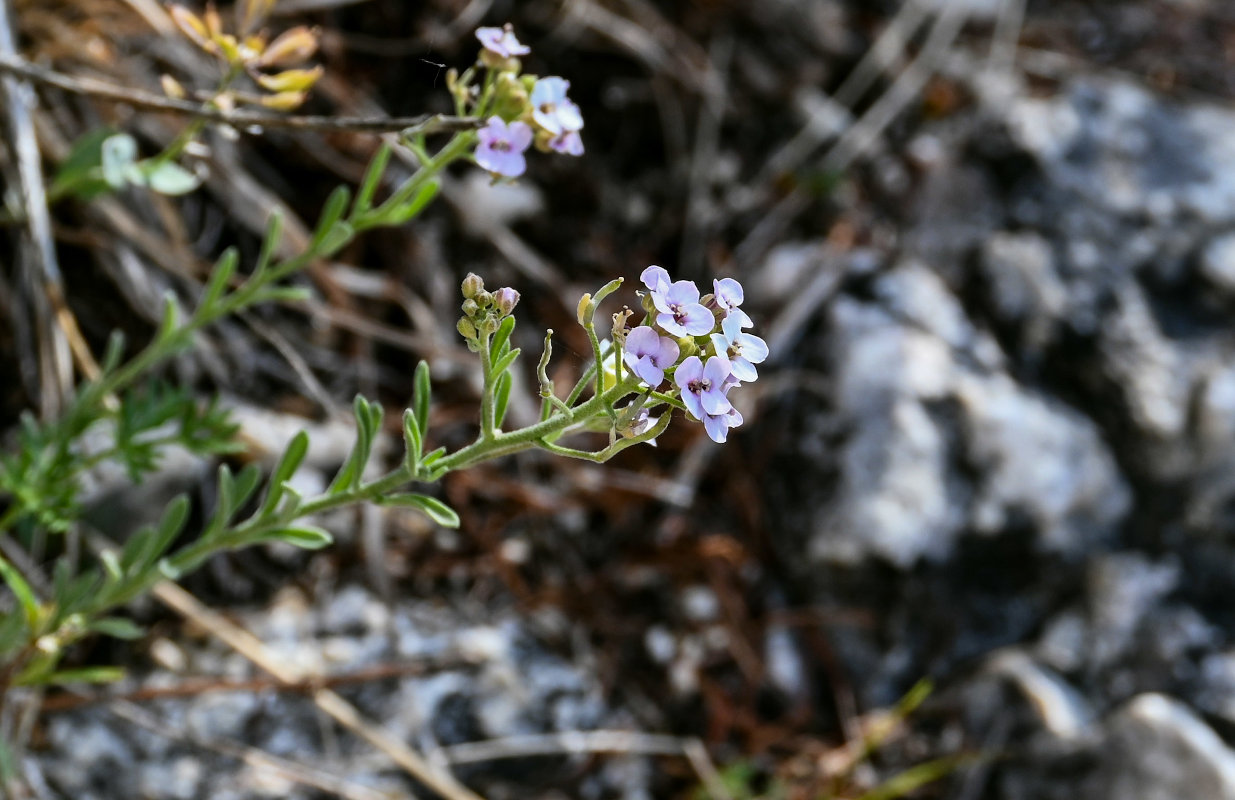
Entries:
{"x":483,"y":311}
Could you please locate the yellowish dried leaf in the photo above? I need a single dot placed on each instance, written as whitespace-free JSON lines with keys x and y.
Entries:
{"x":292,"y":80}
{"x":190,"y":25}
{"x":285,"y":101}
{"x":291,"y":48}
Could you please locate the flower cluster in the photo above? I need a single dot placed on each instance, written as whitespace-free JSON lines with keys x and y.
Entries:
{"x":483,"y":311}
{"x":275,"y":66}
{"x":519,"y":110}
{"x":701,"y":341}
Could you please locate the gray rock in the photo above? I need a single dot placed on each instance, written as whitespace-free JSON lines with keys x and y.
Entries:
{"x":899,"y":365}
{"x":1218,"y":262}
{"x":1159,"y":749}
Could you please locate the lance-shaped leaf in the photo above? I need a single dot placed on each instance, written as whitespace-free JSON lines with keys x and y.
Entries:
{"x":421,"y":396}
{"x":148,"y":545}
{"x":411,"y":439}
{"x":501,"y":396}
{"x":307,"y":537}
{"x":500,"y":345}
{"x":433,"y":508}
{"x":289,"y":462}
{"x":368,"y":422}
{"x":372,"y":180}
{"x":332,"y":214}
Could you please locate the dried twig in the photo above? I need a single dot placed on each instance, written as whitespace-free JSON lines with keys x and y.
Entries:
{"x":240,"y":118}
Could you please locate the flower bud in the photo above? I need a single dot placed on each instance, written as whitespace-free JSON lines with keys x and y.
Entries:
{"x":586,"y":309}
{"x":687,"y":348}
{"x":511,"y":98}
{"x":497,"y":61}
{"x":483,"y":299}
{"x":487,"y":326}
{"x":470,"y":308}
{"x":473,"y":284}
{"x":505,"y":299}
{"x":466,"y":329}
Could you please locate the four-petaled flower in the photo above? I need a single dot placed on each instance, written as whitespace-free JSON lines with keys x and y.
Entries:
{"x":502,"y":42}
{"x":552,"y":109}
{"x":704,"y":385}
{"x":718,"y":425}
{"x":743,"y":350}
{"x":648,"y":354}
{"x":681,"y":314}
{"x":729,"y":296}
{"x":501,"y":147}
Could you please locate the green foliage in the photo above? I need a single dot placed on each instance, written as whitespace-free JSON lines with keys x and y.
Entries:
{"x":104,"y":160}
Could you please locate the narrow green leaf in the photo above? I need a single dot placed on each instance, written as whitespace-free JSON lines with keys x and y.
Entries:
{"x":411,"y":439}
{"x":372,"y":179}
{"x":111,"y":565}
{"x":339,"y":234}
{"x":117,"y":628}
{"x":22,"y":591}
{"x":84,"y":675}
{"x":246,"y":484}
{"x":171,"y":316}
{"x":504,"y":363}
{"x":433,"y":508}
{"x":498,"y":346}
{"x":432,"y":458}
{"x":137,"y":545}
{"x":274,"y":235}
{"x":421,"y":395}
{"x":291,"y":501}
{"x":283,"y":294}
{"x":220,"y":275}
{"x":169,"y":570}
{"x":289,"y":462}
{"x":74,"y":593}
{"x":501,"y":397}
{"x":170,"y":526}
{"x":307,"y":537}
{"x":393,"y":213}
{"x":332,"y":212}
{"x":114,"y":352}
{"x":226,"y":504}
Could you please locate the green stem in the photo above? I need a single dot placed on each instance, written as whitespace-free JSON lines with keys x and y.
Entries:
{"x":487,"y":424}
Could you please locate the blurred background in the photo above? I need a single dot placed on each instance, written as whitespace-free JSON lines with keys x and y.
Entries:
{"x":992,"y":246}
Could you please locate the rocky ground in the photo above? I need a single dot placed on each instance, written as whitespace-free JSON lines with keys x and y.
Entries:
{"x":995,"y":447}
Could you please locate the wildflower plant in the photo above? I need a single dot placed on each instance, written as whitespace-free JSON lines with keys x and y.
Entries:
{"x":685,"y":351}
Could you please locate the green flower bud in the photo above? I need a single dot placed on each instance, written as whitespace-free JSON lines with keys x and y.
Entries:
{"x":470,"y":307}
{"x":483,"y":299}
{"x":687,"y":347}
{"x":473,"y":284}
{"x":466,"y":329}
